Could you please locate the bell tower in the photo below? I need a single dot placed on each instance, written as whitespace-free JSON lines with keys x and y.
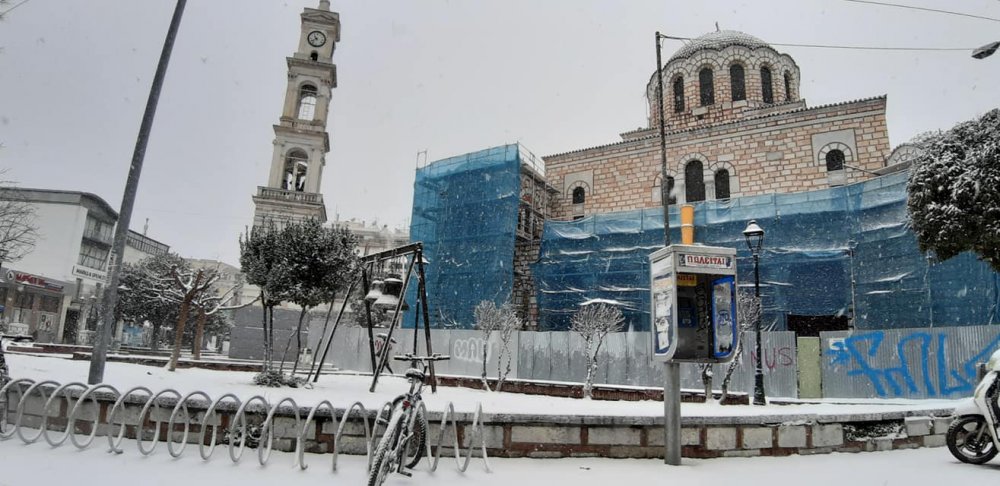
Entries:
{"x":292,"y":192}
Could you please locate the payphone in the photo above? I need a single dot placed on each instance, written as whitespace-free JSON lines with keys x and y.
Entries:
{"x":693,"y":300}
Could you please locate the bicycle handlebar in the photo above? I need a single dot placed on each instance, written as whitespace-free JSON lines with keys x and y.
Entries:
{"x":410,"y":357}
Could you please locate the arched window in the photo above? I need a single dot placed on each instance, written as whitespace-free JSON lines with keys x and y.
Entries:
{"x":788,"y":87}
{"x":765,"y":84}
{"x":678,"y":94}
{"x":579,"y":195}
{"x":737,"y":82}
{"x":307,"y":102}
{"x":296,"y":166}
{"x":314,"y":56}
{"x":834,"y":160}
{"x":722,"y":184}
{"x":671,"y":197}
{"x":694,"y":181}
{"x":705,"y":80}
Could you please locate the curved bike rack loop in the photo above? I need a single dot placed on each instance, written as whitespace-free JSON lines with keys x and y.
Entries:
{"x":77,"y":395}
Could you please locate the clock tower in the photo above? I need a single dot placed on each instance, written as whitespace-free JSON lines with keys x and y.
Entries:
{"x":292,"y":192}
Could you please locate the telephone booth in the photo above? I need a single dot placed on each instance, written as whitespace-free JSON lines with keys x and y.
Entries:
{"x":693,"y":303}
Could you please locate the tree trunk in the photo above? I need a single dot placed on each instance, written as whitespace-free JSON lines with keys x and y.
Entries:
{"x":298,"y":341}
{"x":179,"y":334}
{"x":199,"y":334}
{"x":263,"y":327}
{"x":706,"y":380}
{"x":588,"y":384}
{"x":486,"y":349}
{"x":269,"y":337}
{"x":154,"y":337}
{"x":729,"y":371}
{"x":500,"y":373}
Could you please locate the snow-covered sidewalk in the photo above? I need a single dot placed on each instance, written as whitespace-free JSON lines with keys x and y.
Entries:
{"x":31,"y":465}
{"x":344,"y":389}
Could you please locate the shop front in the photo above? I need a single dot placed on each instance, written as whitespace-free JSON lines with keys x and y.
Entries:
{"x":31,"y":304}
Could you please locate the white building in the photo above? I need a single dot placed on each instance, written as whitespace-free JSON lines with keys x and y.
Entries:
{"x":52,"y":292}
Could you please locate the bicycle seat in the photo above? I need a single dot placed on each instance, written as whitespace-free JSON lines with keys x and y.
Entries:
{"x":415,"y":373}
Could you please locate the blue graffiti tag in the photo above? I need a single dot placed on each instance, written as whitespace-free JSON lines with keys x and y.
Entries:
{"x":896,"y":379}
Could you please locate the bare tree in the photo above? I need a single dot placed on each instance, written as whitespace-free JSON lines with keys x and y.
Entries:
{"x":593,"y":322}
{"x":17,"y":224}
{"x":508,"y":325}
{"x":488,"y":318}
{"x":747,"y":313}
{"x":504,"y":321}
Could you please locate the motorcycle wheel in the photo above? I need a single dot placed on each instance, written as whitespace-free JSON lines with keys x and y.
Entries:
{"x":962,"y":443}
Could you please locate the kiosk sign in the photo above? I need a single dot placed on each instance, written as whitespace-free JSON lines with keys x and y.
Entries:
{"x":704,"y":261}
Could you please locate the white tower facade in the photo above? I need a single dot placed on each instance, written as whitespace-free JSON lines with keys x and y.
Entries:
{"x":292,"y":192}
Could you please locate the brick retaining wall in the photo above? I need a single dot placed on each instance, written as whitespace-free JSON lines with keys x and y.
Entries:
{"x":521,"y":435}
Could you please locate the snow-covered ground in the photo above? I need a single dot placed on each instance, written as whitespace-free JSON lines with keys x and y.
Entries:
{"x":343,"y":390}
{"x":31,"y":465}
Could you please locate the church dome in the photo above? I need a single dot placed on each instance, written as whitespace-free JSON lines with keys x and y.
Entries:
{"x":718,"y":41}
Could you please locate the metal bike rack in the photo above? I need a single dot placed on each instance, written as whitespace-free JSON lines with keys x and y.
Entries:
{"x":51,"y":391}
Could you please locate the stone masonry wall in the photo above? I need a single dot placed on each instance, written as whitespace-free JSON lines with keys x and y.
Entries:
{"x":769,"y":154}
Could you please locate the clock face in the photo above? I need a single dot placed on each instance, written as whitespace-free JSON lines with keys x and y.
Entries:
{"x":316,"y":38}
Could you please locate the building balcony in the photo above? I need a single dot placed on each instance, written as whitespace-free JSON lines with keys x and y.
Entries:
{"x":275,"y":194}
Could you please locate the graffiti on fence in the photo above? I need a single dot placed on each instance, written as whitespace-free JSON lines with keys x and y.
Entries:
{"x":470,"y":350}
{"x":775,"y":357}
{"x":930,"y":372}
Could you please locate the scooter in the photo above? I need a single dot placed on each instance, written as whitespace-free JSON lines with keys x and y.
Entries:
{"x":973,"y":437}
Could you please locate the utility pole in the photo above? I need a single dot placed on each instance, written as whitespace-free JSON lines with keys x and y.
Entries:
{"x":672,"y":370}
{"x":107,"y":318}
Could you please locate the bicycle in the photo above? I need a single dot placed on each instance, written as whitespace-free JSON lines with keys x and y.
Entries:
{"x":405,"y":439}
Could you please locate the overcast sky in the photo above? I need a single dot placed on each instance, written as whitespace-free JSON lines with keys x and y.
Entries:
{"x":447,"y":76}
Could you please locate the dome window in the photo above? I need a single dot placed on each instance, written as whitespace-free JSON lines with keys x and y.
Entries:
{"x":765,"y":85}
{"x":737,"y":82}
{"x":788,"y":87}
{"x":705,"y":82}
{"x":679,"y":94}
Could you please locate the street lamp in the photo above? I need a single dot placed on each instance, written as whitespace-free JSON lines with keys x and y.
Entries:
{"x":754,"y":235}
{"x":986,"y":51}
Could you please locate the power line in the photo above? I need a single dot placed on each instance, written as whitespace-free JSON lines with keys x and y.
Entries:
{"x":5,"y":12}
{"x":861,"y":48}
{"x":911,"y":7}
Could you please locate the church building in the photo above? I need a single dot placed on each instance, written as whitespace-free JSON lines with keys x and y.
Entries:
{"x":736,"y":125}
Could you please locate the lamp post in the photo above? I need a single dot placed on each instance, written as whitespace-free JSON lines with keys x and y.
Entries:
{"x":672,"y":370}
{"x":754,"y":235}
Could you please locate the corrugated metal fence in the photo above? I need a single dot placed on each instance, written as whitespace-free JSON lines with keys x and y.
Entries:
{"x":558,"y":356}
{"x":907,"y":363}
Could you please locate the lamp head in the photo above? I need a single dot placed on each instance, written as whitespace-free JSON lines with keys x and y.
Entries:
{"x":754,"y":235}
{"x":986,"y":51}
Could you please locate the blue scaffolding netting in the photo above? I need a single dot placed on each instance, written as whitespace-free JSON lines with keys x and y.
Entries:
{"x":465,"y":213}
{"x":843,"y":251}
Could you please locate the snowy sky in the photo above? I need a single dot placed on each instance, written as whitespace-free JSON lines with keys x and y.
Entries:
{"x":446,"y":76}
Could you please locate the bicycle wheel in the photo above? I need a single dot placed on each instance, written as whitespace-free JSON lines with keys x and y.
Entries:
{"x":384,"y":457}
{"x":417,"y":445}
